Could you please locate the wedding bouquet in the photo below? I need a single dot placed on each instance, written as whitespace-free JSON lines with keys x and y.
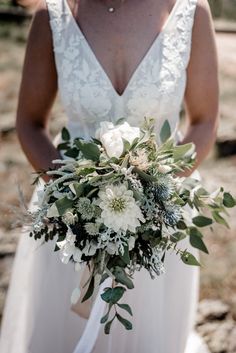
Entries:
{"x":117,"y":204}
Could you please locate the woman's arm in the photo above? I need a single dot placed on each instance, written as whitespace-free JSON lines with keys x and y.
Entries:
{"x":37,"y":93}
{"x":202,"y":91}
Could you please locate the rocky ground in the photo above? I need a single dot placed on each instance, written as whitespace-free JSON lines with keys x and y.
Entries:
{"x":217,"y":310}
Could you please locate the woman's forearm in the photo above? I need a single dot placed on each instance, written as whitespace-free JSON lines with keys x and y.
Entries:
{"x":37,"y":146}
{"x":203,"y":135}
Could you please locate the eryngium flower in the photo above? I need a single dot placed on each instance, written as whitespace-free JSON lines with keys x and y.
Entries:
{"x":163,"y":188}
{"x":119,"y":208}
{"x":172,"y":214}
{"x":85,"y":208}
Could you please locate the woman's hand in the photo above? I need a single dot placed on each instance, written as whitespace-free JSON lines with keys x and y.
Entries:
{"x":37,"y":93}
{"x":202,"y":91}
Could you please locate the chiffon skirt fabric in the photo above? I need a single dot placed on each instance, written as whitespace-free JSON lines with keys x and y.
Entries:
{"x":38,"y":317}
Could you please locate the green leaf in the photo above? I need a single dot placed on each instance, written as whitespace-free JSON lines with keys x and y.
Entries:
{"x":65,"y":134}
{"x":183,"y":150}
{"x":228,"y":200}
{"x":145,"y":176}
{"x":77,"y":188}
{"x":120,"y":121}
{"x":202,"y":221}
{"x":219,"y":219}
{"x":126,"y":323}
{"x":113,"y":295}
{"x":189,"y":259}
{"x":125,"y":257}
{"x":105,"y":318}
{"x":126,"y":307}
{"x":196,"y":240}
{"x":126,"y":145}
{"x":72,"y":152}
{"x":165,"y":132}
{"x":63,"y":146}
{"x":90,"y":290}
{"x":63,"y":205}
{"x":176,"y":237}
{"x":121,"y":277}
{"x":107,"y":327}
{"x":89,"y":149}
{"x":181,"y":225}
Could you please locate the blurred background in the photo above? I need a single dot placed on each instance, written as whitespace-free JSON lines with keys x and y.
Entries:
{"x":216,"y":320}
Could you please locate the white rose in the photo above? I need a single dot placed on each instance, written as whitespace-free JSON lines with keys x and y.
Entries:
{"x":128,"y":132}
{"x":112,"y":137}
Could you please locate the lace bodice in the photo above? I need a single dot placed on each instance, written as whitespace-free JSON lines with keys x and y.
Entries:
{"x":156,"y":88}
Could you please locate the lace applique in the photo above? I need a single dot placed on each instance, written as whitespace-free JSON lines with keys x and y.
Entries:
{"x":156,"y":88}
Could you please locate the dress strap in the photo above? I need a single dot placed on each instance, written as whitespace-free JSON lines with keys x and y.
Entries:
{"x":57,"y":9}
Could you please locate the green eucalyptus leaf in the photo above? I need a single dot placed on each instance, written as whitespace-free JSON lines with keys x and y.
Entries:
{"x":113,"y":295}
{"x":63,"y":205}
{"x":126,"y":323}
{"x":228,"y":200}
{"x":177,"y":236}
{"x":126,"y":307}
{"x":165,"y":132}
{"x":104,"y":318}
{"x":189,"y":259}
{"x":90,"y":290}
{"x":219,"y":219}
{"x":125,"y":256}
{"x":121,"y":277}
{"x":181,"y":225}
{"x":65,"y":134}
{"x":107,"y":327}
{"x":196,"y":240}
{"x":202,"y":221}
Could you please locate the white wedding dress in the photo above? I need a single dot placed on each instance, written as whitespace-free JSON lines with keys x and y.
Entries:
{"x":37,"y":316}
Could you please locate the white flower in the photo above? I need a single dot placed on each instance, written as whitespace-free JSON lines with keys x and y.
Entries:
{"x":70,"y":218}
{"x":68,"y":248}
{"x":90,"y":248}
{"x":112,"y":137}
{"x":119,"y":209}
{"x":92,"y":228}
{"x":112,"y":248}
{"x":131,"y":243}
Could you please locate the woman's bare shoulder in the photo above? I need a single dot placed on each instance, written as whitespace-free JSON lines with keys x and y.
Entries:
{"x":203,"y":13}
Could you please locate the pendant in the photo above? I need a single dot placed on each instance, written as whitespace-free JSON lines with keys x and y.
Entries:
{"x":111,"y":9}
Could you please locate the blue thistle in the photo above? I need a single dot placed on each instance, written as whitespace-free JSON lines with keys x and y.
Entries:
{"x":171,"y":215}
{"x":163,"y":188}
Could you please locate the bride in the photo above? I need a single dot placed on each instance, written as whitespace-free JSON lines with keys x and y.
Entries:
{"x":110,"y":59}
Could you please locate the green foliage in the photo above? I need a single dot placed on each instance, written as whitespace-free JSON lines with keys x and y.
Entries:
{"x":165,"y":132}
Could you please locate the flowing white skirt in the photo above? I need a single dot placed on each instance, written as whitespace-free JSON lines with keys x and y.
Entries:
{"x":38,"y":319}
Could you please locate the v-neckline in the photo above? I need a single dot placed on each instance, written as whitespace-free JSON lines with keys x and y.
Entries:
{"x":142,"y":60}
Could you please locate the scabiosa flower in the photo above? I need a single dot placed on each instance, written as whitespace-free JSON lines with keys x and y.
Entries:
{"x":171,"y":214}
{"x":92,"y":228}
{"x":120,"y":211}
{"x":163,"y":188}
{"x":85,"y":208}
